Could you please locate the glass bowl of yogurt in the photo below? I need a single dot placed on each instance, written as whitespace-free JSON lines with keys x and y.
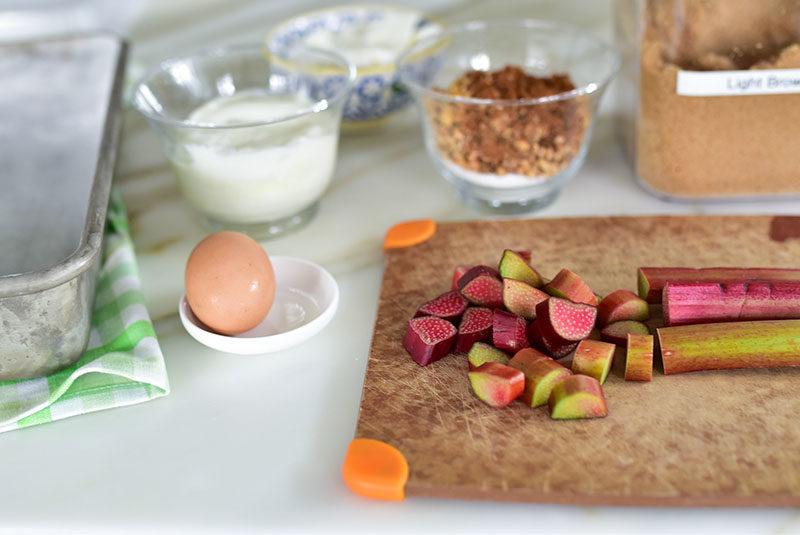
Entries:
{"x":252,"y":138}
{"x":508,"y":107}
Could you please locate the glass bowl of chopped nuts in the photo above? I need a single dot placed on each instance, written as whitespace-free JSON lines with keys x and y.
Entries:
{"x":507,"y":107}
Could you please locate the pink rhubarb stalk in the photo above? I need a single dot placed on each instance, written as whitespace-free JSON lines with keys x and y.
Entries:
{"x":712,"y":302}
{"x":653,"y":279}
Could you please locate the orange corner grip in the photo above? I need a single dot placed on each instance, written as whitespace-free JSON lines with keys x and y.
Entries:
{"x":409,"y":233}
{"x":374,"y":469}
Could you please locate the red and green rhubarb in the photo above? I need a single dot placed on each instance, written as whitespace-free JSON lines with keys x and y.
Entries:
{"x":481,"y":353}
{"x":525,"y":254}
{"x":576,"y":397}
{"x":521,"y":299}
{"x":541,"y":375}
{"x":495,"y":384}
{"x":617,"y":333}
{"x":639,"y":358}
{"x":514,"y":266}
{"x":720,"y":346}
{"x":526,"y":357}
{"x":568,"y":285}
{"x":622,"y":305}
{"x":561,"y":322}
{"x":554,"y":349}
{"x":594,"y":359}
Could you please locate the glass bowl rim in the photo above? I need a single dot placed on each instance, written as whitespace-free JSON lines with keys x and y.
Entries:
{"x":222,"y":51}
{"x":526,"y":24}
{"x":288,"y":24}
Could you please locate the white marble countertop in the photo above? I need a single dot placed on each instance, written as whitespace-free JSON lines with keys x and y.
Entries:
{"x":251,"y":443}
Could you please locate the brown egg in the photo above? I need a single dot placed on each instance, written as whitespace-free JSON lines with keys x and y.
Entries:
{"x":230,"y":284}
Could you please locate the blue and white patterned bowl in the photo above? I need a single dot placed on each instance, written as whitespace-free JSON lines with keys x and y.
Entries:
{"x":376,"y":92}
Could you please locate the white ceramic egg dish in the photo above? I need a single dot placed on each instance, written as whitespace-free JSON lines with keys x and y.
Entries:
{"x":306,"y":299}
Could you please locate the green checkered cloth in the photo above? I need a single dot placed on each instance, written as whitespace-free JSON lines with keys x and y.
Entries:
{"x":122,"y":364}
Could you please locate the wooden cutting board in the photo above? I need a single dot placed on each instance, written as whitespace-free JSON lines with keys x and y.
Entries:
{"x":710,"y":438}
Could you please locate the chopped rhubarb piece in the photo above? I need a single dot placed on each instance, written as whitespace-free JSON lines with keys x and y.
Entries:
{"x":561,"y":322}
{"x":720,"y":346}
{"x":617,"y":333}
{"x":577,"y":396}
{"x":521,"y":298}
{"x":449,"y":306}
{"x":568,"y":285}
{"x":523,"y":358}
{"x":509,"y":331}
{"x":639,"y":358}
{"x":555,"y":349}
{"x":594,"y":359}
{"x":622,"y":305}
{"x":476,"y":326}
{"x":459,"y":272}
{"x":484,"y":290}
{"x":476,"y":271}
{"x":541,"y":375}
{"x":428,"y":339}
{"x":525,"y":254}
{"x":653,"y":279}
{"x":495,"y":384}
{"x":481,"y":353}
{"x":513,"y":266}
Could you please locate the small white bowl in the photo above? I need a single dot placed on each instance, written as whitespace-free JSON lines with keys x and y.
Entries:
{"x":306,"y":299}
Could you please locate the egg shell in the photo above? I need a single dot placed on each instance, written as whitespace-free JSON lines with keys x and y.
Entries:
{"x":230,"y":284}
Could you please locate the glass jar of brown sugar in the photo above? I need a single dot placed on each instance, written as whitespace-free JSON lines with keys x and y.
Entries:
{"x":710,"y":92}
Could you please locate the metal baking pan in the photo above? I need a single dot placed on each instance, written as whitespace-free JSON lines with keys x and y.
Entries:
{"x":60,"y":109}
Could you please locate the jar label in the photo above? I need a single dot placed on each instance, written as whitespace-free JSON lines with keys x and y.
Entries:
{"x":731,"y":83}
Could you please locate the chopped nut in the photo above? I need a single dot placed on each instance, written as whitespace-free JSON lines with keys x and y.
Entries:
{"x":534,"y":140}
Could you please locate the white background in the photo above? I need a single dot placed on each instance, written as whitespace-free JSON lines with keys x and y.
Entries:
{"x":248,"y":444}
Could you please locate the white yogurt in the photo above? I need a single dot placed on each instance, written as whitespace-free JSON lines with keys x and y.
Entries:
{"x":261,"y":173}
{"x":370,"y":42}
